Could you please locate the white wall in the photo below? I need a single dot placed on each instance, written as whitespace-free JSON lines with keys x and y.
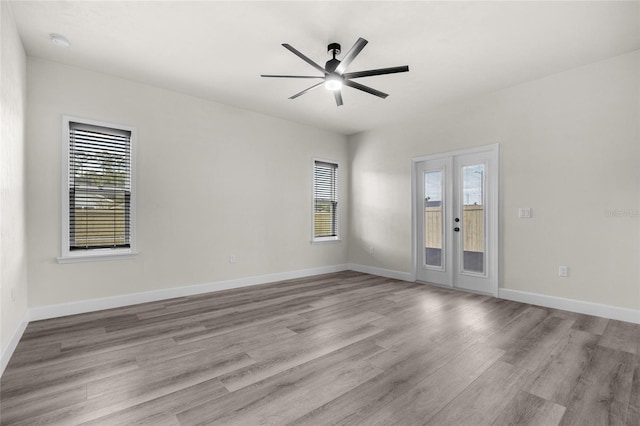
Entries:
{"x":13,"y":251}
{"x":570,"y":150}
{"x":212,"y":181}
{"x":215,"y":180}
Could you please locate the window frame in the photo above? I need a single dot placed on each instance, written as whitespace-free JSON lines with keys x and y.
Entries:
{"x":95,"y":254}
{"x":335,"y":238}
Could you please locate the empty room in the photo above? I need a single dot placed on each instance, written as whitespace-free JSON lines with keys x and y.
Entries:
{"x":320,"y":213}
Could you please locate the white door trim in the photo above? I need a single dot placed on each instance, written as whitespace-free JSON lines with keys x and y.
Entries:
{"x":494,"y":237}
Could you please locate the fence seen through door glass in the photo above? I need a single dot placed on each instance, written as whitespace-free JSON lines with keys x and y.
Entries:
{"x":473,"y":218}
{"x":433,"y":224}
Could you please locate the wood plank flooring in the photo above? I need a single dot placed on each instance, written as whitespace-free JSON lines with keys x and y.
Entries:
{"x":344,"y":348}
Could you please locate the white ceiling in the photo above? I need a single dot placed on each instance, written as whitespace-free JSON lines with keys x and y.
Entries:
{"x":217,"y":50}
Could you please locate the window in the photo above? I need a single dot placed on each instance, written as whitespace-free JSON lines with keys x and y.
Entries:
{"x":325,"y":201}
{"x":98,"y":190}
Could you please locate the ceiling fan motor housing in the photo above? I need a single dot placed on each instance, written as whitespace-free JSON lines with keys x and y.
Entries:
{"x":331,"y":65}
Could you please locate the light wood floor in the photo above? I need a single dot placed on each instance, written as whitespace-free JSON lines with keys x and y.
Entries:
{"x":345,"y":348}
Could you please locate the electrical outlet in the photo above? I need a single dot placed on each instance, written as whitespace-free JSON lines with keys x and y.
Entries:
{"x":371,"y":250}
{"x":563,"y":271}
{"x":524,"y":213}
{"x":232,"y":258}
{"x":13,"y":294}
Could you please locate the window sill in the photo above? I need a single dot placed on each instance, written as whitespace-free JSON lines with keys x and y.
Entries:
{"x":326,"y":240}
{"x":98,"y":256}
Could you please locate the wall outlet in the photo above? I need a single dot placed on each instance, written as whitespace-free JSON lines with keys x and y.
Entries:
{"x":232,"y":258}
{"x":563,"y":271}
{"x":370,"y":250}
{"x":13,"y":294}
{"x":524,"y":213}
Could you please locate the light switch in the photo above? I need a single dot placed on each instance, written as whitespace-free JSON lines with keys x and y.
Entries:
{"x":524,"y":212}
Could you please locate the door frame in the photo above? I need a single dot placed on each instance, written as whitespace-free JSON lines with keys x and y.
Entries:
{"x":493,"y":241}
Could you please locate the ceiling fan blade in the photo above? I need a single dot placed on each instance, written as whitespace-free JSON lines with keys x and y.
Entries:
{"x":365,"y":89}
{"x":338,"y":96}
{"x":308,"y":89}
{"x":379,"y":71}
{"x":304,"y":58}
{"x":351,"y":55}
{"x":289,"y":76}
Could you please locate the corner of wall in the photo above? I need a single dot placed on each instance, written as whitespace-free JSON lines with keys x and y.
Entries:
{"x":12,"y":344}
{"x":13,"y":268}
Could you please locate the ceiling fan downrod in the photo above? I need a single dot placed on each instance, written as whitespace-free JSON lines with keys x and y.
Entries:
{"x":332,"y":64}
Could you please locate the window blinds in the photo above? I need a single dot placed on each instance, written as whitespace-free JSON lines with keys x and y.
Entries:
{"x":99,"y":187}
{"x":325,"y":195}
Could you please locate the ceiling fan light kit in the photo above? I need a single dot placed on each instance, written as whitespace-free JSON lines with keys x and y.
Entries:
{"x":334,"y":75}
{"x":333,"y":82}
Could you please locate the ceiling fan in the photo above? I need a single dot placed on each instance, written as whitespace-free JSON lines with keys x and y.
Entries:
{"x":333,"y":74}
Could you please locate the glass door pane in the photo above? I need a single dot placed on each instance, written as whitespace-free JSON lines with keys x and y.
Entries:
{"x":473,"y":218}
{"x":433,"y":223}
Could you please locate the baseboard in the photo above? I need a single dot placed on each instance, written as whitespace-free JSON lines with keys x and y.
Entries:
{"x":579,"y":306}
{"x":91,"y":305}
{"x":13,"y":343}
{"x":381,"y":272}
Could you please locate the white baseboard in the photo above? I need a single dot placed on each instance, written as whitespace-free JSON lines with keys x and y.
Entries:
{"x":13,"y":343}
{"x":381,"y":272}
{"x":54,"y":311}
{"x":579,"y":306}
{"x":90,"y":305}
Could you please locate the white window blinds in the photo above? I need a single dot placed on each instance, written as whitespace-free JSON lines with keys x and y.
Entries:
{"x":325,"y":196}
{"x":99,"y":187}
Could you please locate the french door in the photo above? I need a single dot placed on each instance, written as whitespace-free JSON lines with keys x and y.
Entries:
{"x":456,"y":226}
